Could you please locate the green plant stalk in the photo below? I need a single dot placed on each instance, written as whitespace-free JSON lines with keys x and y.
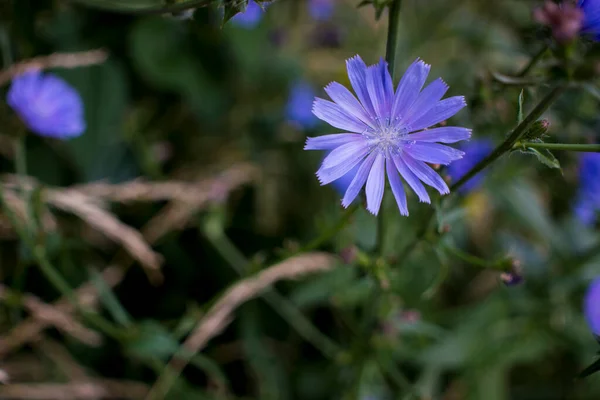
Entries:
{"x":390,"y":56}
{"x":513,"y":138}
{"x":591,"y":148}
{"x":534,"y":60}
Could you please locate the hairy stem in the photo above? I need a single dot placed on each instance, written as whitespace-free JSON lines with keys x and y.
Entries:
{"x":591,"y":148}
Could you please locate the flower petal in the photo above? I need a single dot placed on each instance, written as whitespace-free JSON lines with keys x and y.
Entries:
{"x":409,"y":87}
{"x":396,"y":184}
{"x":426,"y":174}
{"x":343,"y":152}
{"x":379,"y":89}
{"x":433,"y":153}
{"x":446,"y":134}
{"x":376,"y":184}
{"x":411,"y":179}
{"x":335,"y":116}
{"x":440,"y":112}
{"x":341,"y":160}
{"x":357,"y":73}
{"x":329,"y":142}
{"x":359,"y":180}
{"x":427,"y":99}
{"x":346,"y":100}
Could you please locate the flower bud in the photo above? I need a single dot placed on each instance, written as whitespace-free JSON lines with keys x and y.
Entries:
{"x":565,"y":20}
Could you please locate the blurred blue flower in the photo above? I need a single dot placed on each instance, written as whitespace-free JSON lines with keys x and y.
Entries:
{"x":299,"y":104}
{"x":591,"y":306}
{"x":475,"y":151}
{"x":588,"y":197}
{"x":591,"y":20}
{"x":250,"y":17}
{"x":385,"y":133}
{"x":320,"y":10}
{"x":47,"y":105}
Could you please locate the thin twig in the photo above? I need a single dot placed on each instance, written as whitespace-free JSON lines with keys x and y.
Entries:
{"x":56,"y":60}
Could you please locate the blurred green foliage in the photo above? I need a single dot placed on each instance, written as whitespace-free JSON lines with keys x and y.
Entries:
{"x":182,"y":99}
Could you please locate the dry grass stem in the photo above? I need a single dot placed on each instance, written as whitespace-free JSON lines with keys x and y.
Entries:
{"x":107,"y":223}
{"x":221,"y":313}
{"x":93,"y":390}
{"x":51,"y":315}
{"x":56,"y":60}
{"x":30,"y":329}
{"x":173,"y":216}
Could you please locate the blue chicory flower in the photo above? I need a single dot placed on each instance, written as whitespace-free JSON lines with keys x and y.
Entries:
{"x":386,"y":133}
{"x":591,"y":306}
{"x":320,"y":10}
{"x":47,"y":105}
{"x":475,"y":151}
{"x":299,"y":104}
{"x":591,"y":19}
{"x":588,"y":197}
{"x":250,"y":17}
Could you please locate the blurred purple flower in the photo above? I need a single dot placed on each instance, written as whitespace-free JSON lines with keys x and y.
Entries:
{"x":591,"y":19}
{"x":47,"y":105}
{"x":250,"y":17}
{"x":299,"y":104}
{"x":387,"y":133}
{"x":588,"y":197}
{"x":320,"y":10}
{"x":475,"y":151}
{"x":591,"y":306}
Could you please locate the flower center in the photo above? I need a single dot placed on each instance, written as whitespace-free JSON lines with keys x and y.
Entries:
{"x":389,"y":136}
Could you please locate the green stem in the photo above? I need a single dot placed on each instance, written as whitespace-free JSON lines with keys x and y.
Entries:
{"x":534,"y":60}
{"x":390,"y":56}
{"x":122,"y":7}
{"x":513,"y":138}
{"x":592,"y":148}
{"x":498,"y":265}
{"x":284,"y":307}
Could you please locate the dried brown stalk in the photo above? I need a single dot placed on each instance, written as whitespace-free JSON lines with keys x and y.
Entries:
{"x":107,"y":223}
{"x":221,"y":313}
{"x":56,"y":60}
{"x":93,"y":390}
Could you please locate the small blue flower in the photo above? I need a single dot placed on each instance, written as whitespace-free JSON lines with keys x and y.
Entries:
{"x":320,"y":10}
{"x":588,"y":197}
{"x":591,"y":20}
{"x":250,"y":17}
{"x":299,"y":104}
{"x":47,"y":105}
{"x":475,"y":151}
{"x":591,"y":306}
{"x":384,"y":133}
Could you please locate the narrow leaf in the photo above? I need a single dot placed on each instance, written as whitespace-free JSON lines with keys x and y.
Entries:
{"x":520,"y":109}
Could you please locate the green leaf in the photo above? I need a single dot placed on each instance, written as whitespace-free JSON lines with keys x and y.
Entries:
{"x":545,"y":157}
{"x":520,"y":109}
{"x":153,"y":341}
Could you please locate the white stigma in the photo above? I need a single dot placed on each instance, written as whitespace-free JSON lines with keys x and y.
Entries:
{"x":389,"y":136}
